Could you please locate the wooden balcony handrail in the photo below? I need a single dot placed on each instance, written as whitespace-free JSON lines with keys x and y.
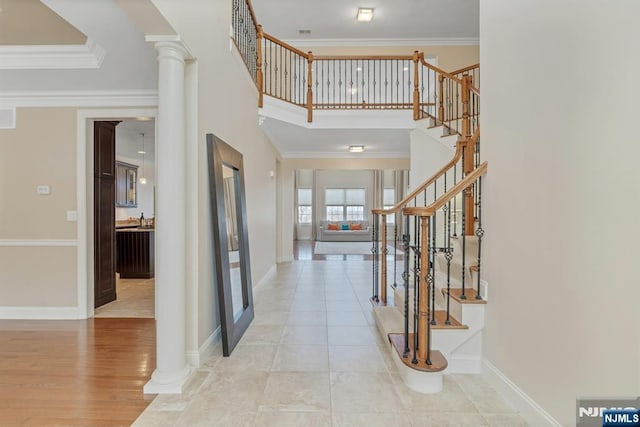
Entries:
{"x":450,"y":194}
{"x":439,"y":70}
{"x":362,"y":57}
{"x":460,"y":146}
{"x":253,"y":15}
{"x":285,"y":45}
{"x":462,"y":70}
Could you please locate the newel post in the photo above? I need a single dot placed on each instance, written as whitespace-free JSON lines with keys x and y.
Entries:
{"x":468,"y":154}
{"x":440,"y":98}
{"x":259,"y":72}
{"x":416,"y":92}
{"x":309,"y":87}
{"x":423,"y":299}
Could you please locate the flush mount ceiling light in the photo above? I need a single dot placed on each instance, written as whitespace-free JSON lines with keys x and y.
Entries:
{"x":356,"y":148}
{"x":365,"y":14}
{"x":143,"y":179}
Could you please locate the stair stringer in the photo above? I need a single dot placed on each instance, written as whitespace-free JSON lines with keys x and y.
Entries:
{"x":462,"y":347}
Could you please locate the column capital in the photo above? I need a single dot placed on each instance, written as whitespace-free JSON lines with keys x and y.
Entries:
{"x":170,"y":47}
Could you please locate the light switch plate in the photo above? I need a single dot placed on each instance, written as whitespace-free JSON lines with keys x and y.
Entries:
{"x":72,"y":216}
{"x":43,"y":189}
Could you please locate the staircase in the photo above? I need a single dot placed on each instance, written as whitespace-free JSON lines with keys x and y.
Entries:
{"x":434,"y":317}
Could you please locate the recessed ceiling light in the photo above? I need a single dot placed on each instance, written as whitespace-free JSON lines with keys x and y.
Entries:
{"x":142,"y":152}
{"x":405,"y":69}
{"x":365,"y":14}
{"x":356,"y":148}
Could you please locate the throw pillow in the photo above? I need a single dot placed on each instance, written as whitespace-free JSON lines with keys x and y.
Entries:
{"x":355,"y":227}
{"x":332,"y":227}
{"x":345,"y":226}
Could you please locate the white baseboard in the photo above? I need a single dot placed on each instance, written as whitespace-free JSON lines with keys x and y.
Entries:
{"x":268,"y":276}
{"x":195,"y":358}
{"x":533,"y":413}
{"x":284,"y":259}
{"x":40,"y":313}
{"x":463,"y":364}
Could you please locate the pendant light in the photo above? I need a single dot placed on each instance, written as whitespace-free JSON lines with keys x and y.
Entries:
{"x":143,"y":179}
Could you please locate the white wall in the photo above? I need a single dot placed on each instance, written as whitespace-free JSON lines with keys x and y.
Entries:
{"x":227,"y":107}
{"x":559,"y":130}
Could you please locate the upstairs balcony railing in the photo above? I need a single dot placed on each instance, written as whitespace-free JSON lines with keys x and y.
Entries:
{"x":400,"y":82}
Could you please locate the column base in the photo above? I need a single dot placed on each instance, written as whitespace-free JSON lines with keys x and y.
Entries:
{"x":173,"y":383}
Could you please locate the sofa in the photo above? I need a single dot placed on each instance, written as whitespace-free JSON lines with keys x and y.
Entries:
{"x":341,"y":235}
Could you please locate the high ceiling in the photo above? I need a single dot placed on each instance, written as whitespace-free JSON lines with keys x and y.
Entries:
{"x":118,"y":26}
{"x":393,"y":19}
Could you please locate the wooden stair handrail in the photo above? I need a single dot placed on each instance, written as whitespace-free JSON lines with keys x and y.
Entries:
{"x":439,"y":70}
{"x":253,"y":14}
{"x":468,"y":68}
{"x":474,"y":89}
{"x":450,"y":194}
{"x":285,"y":45}
{"x":460,"y":146}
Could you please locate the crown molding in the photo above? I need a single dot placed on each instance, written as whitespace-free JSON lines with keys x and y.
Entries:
{"x":98,"y":98}
{"x":438,"y":41}
{"x":336,"y":155}
{"x":50,"y":57}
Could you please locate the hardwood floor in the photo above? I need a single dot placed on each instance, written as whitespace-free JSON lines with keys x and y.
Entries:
{"x":75,"y":372}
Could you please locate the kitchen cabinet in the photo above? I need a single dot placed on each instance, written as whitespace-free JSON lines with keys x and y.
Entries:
{"x":126,"y":185}
{"x":135,"y":257}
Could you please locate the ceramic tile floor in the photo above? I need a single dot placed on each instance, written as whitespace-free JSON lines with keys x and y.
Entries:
{"x":135,"y":299}
{"x":313,"y":357}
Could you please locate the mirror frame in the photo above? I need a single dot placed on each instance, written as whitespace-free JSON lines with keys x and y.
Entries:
{"x":222,"y":154}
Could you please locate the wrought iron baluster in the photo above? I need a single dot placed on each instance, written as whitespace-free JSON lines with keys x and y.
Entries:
{"x":479,"y":234}
{"x":416,"y":288}
{"x":395,"y":248}
{"x":374,"y":251}
{"x":431,"y":277}
{"x":405,"y":280}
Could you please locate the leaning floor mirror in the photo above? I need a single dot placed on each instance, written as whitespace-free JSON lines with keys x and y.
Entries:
{"x":230,"y":241}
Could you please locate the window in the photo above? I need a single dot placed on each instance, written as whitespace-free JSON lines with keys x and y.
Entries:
{"x":304,"y":205}
{"x":344,"y":204}
{"x":389,"y":201}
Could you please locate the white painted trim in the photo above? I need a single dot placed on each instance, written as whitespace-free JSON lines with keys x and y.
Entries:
{"x":40,"y":313}
{"x":207,"y":348}
{"x":439,"y":41}
{"x":268,"y":276}
{"x":328,"y":155}
{"x":38,"y":242}
{"x":85,"y":303}
{"x":533,"y":413}
{"x":282,"y":259}
{"x":30,"y":57}
{"x":76,"y":98}
{"x":171,"y":38}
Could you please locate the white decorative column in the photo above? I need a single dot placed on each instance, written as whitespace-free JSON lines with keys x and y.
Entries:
{"x":172,"y":370}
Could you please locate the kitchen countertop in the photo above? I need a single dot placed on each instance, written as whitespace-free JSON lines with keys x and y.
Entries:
{"x":135,"y":230}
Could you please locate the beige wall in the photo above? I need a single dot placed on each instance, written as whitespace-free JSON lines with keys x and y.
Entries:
{"x":228,"y":108}
{"x":561,"y":212}
{"x":40,"y":151}
{"x":450,"y":58}
{"x":38,"y":277}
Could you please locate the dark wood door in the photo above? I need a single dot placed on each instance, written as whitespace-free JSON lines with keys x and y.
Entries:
{"x":104,"y":185}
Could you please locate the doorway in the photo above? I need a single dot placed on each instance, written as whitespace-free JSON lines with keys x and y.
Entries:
{"x":123,"y":214}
